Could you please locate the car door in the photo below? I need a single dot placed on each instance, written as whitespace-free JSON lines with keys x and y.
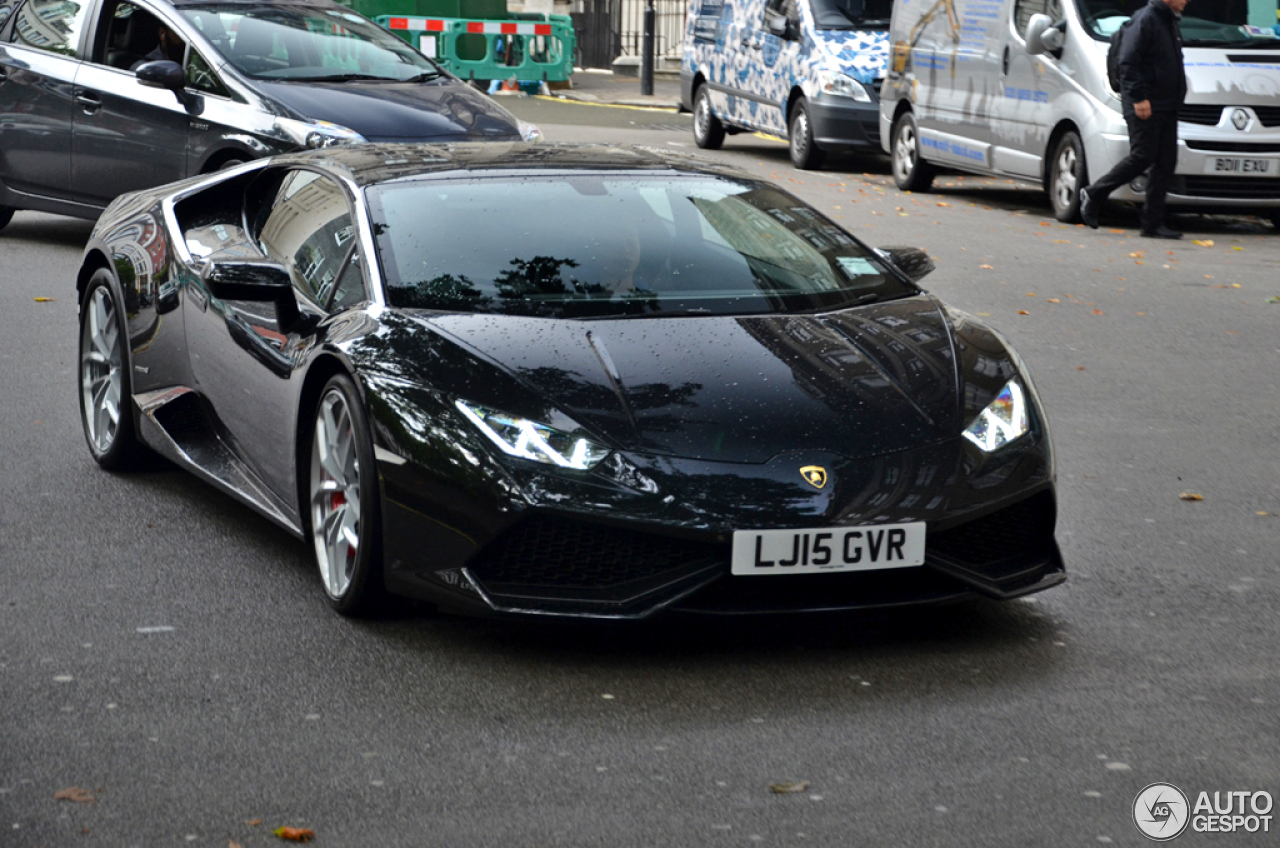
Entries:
{"x":38,"y":67}
{"x":1031,"y":85}
{"x":773,"y":60}
{"x":126,"y":136}
{"x":245,"y":355}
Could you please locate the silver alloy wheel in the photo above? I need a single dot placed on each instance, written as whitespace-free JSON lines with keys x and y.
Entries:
{"x":904,"y":152}
{"x":101,"y":377}
{"x":800,"y":135}
{"x":335,"y":494}
{"x":1067,"y":180}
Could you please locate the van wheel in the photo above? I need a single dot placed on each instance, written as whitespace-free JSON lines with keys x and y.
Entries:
{"x":6,"y":215}
{"x":910,"y":171}
{"x":1066,"y":176}
{"x":805,"y":155}
{"x":708,"y":132}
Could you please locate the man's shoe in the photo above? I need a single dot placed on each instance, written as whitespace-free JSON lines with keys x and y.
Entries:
{"x":1161,"y":232}
{"x":1088,"y":209}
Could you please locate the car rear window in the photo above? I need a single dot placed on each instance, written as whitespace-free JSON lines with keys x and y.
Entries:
{"x":579,"y":246}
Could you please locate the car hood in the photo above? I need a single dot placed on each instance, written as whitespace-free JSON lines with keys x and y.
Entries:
{"x":1213,"y":76}
{"x":861,"y":54}
{"x":410,"y":111}
{"x":862,"y":382}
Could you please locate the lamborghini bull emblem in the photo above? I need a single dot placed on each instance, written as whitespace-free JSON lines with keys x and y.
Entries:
{"x":815,"y":475}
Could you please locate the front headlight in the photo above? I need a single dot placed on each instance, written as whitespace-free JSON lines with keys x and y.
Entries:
{"x":316,"y":134}
{"x":831,"y":82}
{"x":528,"y":131}
{"x":1004,"y":420}
{"x":532,"y":440}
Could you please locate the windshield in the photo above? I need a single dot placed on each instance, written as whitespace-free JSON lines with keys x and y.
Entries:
{"x":1205,"y":23}
{"x":851,"y":14}
{"x":584,"y":246}
{"x":300,"y":44}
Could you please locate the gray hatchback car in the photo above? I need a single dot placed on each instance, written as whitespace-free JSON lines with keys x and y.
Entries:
{"x":101,"y":97}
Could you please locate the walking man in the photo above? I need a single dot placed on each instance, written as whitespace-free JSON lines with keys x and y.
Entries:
{"x":1153,"y":85}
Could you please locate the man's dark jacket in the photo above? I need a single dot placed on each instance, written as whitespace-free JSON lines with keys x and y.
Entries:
{"x":1151,"y":60}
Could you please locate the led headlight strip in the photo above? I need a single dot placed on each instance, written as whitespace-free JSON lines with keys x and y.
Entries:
{"x":1004,"y":420}
{"x":532,"y":440}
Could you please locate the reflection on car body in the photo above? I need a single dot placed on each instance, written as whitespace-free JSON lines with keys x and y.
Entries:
{"x":499,"y":425}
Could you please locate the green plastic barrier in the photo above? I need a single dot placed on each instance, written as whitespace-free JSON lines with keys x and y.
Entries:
{"x":529,"y":47}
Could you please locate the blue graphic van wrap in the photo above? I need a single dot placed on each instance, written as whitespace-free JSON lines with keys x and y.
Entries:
{"x":806,"y":70}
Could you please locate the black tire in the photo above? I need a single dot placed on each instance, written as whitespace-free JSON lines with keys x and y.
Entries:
{"x":231,"y":163}
{"x":1275,"y":220}
{"x":1068,"y":173}
{"x":805,"y":154}
{"x":340,"y":464}
{"x":106,"y":399}
{"x":6,"y":215}
{"x":708,"y":132}
{"x":910,"y":171}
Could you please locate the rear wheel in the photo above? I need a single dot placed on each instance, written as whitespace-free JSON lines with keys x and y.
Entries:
{"x":6,"y":215}
{"x":805,"y":155}
{"x":104,"y":376}
{"x":1066,"y":176}
{"x":343,"y":507}
{"x":708,"y":132}
{"x":910,"y":171}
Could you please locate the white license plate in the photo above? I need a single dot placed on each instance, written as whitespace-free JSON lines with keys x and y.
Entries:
{"x":828,"y":549}
{"x":1241,"y":165}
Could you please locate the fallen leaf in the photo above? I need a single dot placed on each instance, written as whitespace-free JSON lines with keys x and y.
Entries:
{"x":1118,"y":232}
{"x":1031,"y":294}
{"x":1203,"y":242}
{"x":1079,"y":367}
{"x":1098,"y":312}
{"x":1235,"y":285}
{"x":987,"y":267}
{"x":1045,"y":224}
{"x":253,"y":822}
{"x":294,"y":834}
{"x":1054,"y":300}
{"x":231,"y":843}
{"x":1263,"y":513}
{"x":1188,"y":496}
{"x":944,"y":204}
{"x":1237,"y":248}
{"x":788,"y":788}
{"x":1139,"y":313}
{"x":1023,"y":312}
{"x":76,"y":794}
{"x":1208,"y":276}
{"x":44,"y":300}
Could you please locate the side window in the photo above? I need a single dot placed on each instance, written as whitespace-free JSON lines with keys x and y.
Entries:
{"x":133,"y":36}
{"x":201,"y":77}
{"x":52,"y":25}
{"x":309,"y":230}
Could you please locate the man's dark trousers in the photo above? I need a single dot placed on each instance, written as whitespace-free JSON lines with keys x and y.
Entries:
{"x":1153,"y":143}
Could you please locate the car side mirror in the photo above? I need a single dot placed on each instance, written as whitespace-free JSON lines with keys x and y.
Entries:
{"x":254,"y":281}
{"x":912,"y":261}
{"x":161,"y":74}
{"x":1042,"y":36}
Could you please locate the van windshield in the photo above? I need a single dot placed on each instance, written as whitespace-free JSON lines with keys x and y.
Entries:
{"x":851,"y":14}
{"x":1205,"y":23}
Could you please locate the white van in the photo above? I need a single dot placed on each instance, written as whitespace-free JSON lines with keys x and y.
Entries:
{"x":1019,"y":88}
{"x":808,"y":70}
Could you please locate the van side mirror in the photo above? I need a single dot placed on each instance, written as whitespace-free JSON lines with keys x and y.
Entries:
{"x":1042,"y":36}
{"x":777,"y":24}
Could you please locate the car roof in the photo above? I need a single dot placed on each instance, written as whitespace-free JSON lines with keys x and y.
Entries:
{"x":371,"y":164}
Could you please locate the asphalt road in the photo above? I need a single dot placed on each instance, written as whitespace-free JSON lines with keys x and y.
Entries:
{"x":170,"y":652}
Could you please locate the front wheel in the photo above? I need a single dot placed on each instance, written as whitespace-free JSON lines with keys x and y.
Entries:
{"x":805,"y":154}
{"x":1066,"y":176}
{"x":708,"y":132}
{"x":910,"y":171}
{"x":343,"y":513}
{"x":6,"y":215}
{"x":105,"y":387}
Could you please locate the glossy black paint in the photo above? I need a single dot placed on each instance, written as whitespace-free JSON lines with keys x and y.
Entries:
{"x":76,"y":132}
{"x":709,"y":418}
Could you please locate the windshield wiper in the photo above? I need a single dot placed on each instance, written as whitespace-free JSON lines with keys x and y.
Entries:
{"x":343,"y":78}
